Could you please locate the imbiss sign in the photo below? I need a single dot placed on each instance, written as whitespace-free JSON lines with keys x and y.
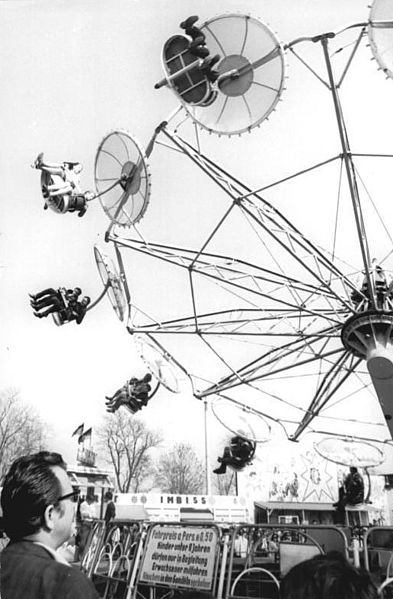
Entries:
{"x":180,"y":556}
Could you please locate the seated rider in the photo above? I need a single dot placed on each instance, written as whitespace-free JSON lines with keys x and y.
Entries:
{"x":198,"y":48}
{"x":63,"y":193}
{"x":118,"y":399}
{"x":122,"y":397}
{"x":51,"y":299}
{"x":198,"y":43}
{"x":236,"y":455}
{"x":78,"y":203}
{"x":78,"y":309}
{"x":68,"y":171}
{"x":352,"y":490}
{"x":61,"y":302}
{"x":72,"y":295}
{"x":354,"y":487}
{"x":383,"y":296}
{"x":134,"y":395}
{"x":141,"y":388}
{"x":190,"y":66}
{"x":381,"y":287}
{"x":350,"y":493}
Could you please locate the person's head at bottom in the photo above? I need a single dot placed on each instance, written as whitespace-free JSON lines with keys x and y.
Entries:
{"x":328,"y":576}
{"x":38,"y":500}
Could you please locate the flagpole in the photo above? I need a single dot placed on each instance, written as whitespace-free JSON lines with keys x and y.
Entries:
{"x":79,"y":430}
{"x":207,"y":453}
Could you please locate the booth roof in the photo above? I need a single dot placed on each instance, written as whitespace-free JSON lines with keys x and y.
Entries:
{"x":131,"y":512}
{"x":101,"y":481}
{"x":78,"y":469}
{"x":294,"y":505}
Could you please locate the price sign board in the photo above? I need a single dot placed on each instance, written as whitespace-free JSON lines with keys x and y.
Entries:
{"x":180,"y":556}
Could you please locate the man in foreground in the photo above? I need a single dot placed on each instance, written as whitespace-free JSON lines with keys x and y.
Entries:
{"x":38,"y":505}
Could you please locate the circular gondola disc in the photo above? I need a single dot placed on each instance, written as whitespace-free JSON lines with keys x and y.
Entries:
{"x":241,"y":420}
{"x":111,"y":278}
{"x":349,"y":452}
{"x":122,"y":178}
{"x":251,"y":75}
{"x":160,"y":364}
{"x":380,"y":33}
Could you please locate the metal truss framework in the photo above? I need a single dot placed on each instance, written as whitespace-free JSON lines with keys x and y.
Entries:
{"x":309,"y":310}
{"x":304,"y":313}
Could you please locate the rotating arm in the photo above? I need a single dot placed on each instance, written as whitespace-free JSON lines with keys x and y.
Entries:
{"x":99,"y":298}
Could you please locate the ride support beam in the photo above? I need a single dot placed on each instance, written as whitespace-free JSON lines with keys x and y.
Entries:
{"x":380,"y":367}
{"x":350,"y":171}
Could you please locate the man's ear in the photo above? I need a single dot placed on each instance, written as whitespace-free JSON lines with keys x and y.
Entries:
{"x":49,"y":517}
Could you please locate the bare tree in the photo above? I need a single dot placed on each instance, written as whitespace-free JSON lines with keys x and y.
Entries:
{"x":21,"y":430}
{"x":126,"y":442}
{"x":180,"y":471}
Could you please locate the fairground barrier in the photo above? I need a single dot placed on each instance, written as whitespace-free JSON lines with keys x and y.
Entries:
{"x":116,"y":559}
{"x":378,"y":557}
{"x":260,"y":555}
{"x":148,"y":560}
{"x":93,"y":544}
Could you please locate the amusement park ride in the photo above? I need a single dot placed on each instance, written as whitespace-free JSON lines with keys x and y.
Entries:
{"x":300,"y":307}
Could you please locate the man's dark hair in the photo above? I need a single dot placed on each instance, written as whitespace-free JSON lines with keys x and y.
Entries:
{"x":328,"y":576}
{"x":29,"y":488}
{"x":109,"y":495}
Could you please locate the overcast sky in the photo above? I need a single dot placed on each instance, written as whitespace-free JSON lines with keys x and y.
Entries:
{"x":74,"y":71}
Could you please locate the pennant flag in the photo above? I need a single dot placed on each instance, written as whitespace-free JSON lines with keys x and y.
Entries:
{"x":85,"y":436}
{"x":79,"y":430}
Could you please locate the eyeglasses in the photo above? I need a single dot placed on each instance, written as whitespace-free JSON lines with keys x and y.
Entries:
{"x":74,"y":496}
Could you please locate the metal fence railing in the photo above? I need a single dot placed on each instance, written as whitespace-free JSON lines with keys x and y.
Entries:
{"x":142,"y":559}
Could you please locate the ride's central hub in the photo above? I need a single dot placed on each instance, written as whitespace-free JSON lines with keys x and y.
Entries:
{"x":369,"y":334}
